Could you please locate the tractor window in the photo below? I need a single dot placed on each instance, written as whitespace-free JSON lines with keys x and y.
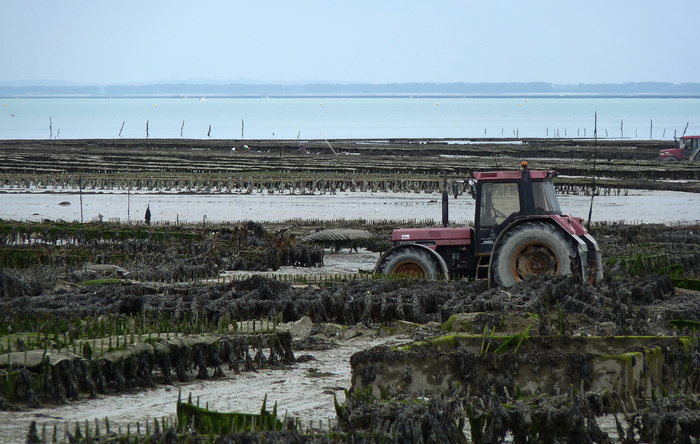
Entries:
{"x":689,"y":144}
{"x":498,"y":201}
{"x":545,"y":198}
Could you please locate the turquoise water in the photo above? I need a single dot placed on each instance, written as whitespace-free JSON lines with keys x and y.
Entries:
{"x":335,"y":118}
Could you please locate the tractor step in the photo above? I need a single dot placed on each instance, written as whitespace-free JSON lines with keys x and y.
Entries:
{"x":482,"y":266}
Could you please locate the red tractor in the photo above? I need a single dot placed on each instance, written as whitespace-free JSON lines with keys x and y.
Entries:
{"x":687,"y":148}
{"x":519,"y":231}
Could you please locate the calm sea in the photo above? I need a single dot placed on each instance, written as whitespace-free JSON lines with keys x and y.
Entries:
{"x":336,"y":118}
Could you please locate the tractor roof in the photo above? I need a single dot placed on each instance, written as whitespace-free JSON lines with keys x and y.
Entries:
{"x":690,"y":137}
{"x":512,"y":175}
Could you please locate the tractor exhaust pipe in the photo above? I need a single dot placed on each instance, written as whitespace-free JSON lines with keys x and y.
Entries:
{"x":445,"y":197}
{"x":445,"y":209}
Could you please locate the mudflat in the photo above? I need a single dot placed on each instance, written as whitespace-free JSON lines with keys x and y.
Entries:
{"x":131,"y":314}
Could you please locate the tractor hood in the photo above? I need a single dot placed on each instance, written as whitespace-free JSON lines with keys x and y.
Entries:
{"x":671,"y":152}
{"x":433,"y":236}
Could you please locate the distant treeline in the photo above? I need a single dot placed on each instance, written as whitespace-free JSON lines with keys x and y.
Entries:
{"x":654,"y":89}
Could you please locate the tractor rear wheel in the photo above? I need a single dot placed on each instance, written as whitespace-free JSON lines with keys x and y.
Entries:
{"x":410,"y":262}
{"x":532,"y":249}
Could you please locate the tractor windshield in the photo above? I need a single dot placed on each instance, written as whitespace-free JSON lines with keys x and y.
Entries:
{"x":545,"y":197}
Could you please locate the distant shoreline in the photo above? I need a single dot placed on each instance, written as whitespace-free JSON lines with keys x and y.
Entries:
{"x":359,"y":96}
{"x":356,"y":90}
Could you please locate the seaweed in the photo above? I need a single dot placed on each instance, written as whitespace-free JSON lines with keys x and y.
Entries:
{"x":194,"y":418}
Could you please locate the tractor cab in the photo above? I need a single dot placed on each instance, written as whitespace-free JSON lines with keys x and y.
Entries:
{"x":691,"y":147}
{"x":689,"y":142}
{"x":504,"y":196}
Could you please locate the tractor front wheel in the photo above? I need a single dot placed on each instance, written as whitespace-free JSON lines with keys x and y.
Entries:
{"x":410,"y":262}
{"x":532,"y":249}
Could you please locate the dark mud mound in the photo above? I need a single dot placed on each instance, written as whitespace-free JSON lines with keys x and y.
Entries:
{"x":345,"y":303}
{"x":438,"y":420}
{"x":546,"y":388}
{"x":257,"y":297}
{"x":42,"y":255}
{"x":650,"y":249}
{"x":103,"y":366}
{"x":673,"y":420}
{"x":566,"y":419}
{"x":529,"y":366}
{"x":490,"y":420}
{"x":560,"y":305}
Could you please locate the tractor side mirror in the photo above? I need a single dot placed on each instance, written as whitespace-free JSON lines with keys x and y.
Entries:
{"x":472,"y":189}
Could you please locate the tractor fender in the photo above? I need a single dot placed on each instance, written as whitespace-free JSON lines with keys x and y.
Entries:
{"x":579,"y":243}
{"x":588,"y":250}
{"x":433,"y":254}
{"x":595,"y":260}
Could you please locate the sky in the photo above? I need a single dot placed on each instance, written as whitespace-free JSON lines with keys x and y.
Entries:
{"x":360,"y":41}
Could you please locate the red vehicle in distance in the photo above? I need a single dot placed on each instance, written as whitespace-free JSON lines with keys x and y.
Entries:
{"x":688,"y":149}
